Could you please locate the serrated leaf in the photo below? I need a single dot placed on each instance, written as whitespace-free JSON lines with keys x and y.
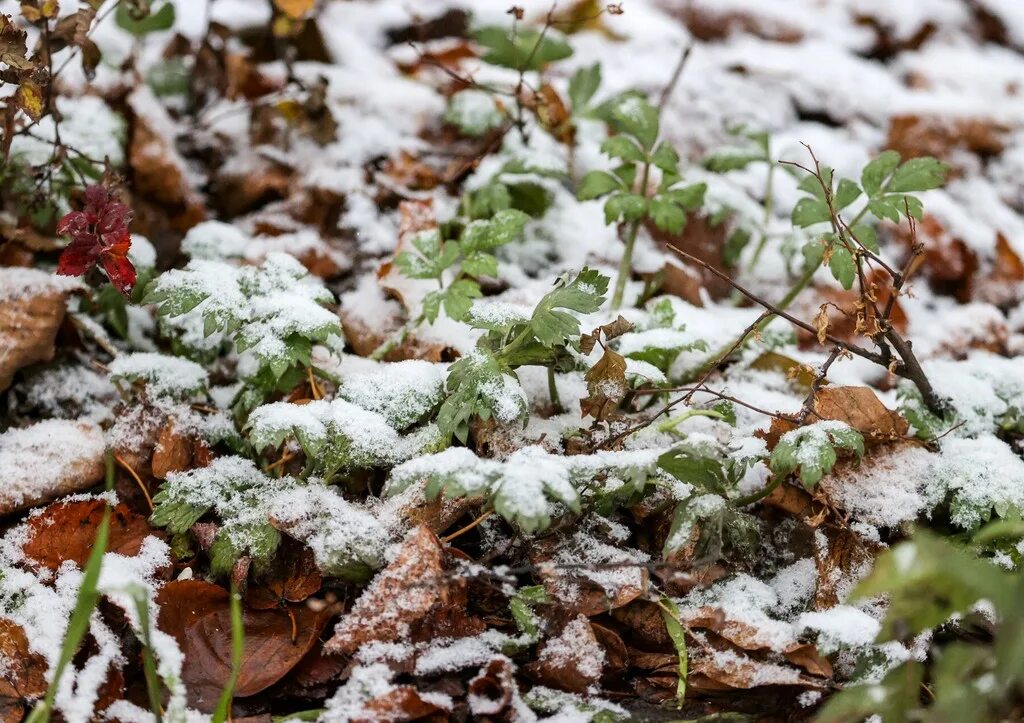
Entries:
{"x":596,"y":184}
{"x":666,"y":158}
{"x":731,"y":160}
{"x":622,"y":147}
{"x":484,"y":235}
{"x":875,"y":172}
{"x":29,"y":98}
{"x":689,"y":197}
{"x":480,"y":264}
{"x":583,"y":294}
{"x":666,"y":215}
{"x":458,"y":298}
{"x":161,"y":19}
{"x":583,"y":85}
{"x":846,"y":193}
{"x":884,"y":208}
{"x":842,"y":265}
{"x":867,"y":236}
{"x":809,"y":211}
{"x":626,"y":207}
{"x":521,"y":48}
{"x":636,"y":116}
{"x":918,"y":174}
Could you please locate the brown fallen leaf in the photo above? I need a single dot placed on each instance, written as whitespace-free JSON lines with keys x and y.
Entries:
{"x":293,"y":577}
{"x":579,"y":593}
{"x":401,"y":594}
{"x":401,"y":703}
{"x":32,"y":306}
{"x":859,"y":407}
{"x":197,"y":614}
{"x":840,"y":563}
{"x":47,"y":460}
{"x":493,"y":689}
{"x":23,"y":675}
{"x":173,"y":451}
{"x":938,"y":136}
{"x":573,"y":660}
{"x":703,"y":239}
{"x":67,"y":531}
{"x":710,"y":25}
{"x":606,"y":385}
{"x":719,"y":666}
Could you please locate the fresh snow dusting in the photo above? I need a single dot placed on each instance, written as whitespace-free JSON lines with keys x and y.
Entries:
{"x":46,"y":460}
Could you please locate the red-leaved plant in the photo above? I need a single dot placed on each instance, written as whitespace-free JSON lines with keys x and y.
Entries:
{"x":99,"y":235}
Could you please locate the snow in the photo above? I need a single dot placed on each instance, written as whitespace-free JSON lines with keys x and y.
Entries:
{"x":164,"y":375}
{"x":19,"y":283}
{"x":47,"y":459}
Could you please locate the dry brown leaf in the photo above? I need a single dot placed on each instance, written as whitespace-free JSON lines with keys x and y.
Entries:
{"x":197,"y":614}
{"x":173,"y":451}
{"x":861,"y":408}
{"x":293,"y":577}
{"x":23,"y":675}
{"x":844,"y":560}
{"x":927,"y":135}
{"x":708,"y":24}
{"x":401,"y":594}
{"x":567,"y":661}
{"x":494,"y":689}
{"x":401,"y":703}
{"x":48,"y":460}
{"x":702,"y":239}
{"x":67,"y":531}
{"x":295,"y":9}
{"x":606,"y":385}
{"x":28,"y":327}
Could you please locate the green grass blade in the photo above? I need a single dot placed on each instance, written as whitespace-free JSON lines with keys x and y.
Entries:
{"x":670,"y":614}
{"x":237,"y":648}
{"x":148,"y":663}
{"x":88,"y":596}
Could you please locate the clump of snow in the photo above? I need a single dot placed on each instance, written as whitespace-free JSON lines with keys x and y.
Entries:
{"x":402,"y":392}
{"x":840,"y":627}
{"x":978,"y":476}
{"x":163,"y":374}
{"x":20,"y":283}
{"x":888,"y":488}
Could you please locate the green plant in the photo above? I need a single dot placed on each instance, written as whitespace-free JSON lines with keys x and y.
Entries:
{"x":483,"y":384}
{"x":223,"y":709}
{"x":454,"y":265}
{"x":628,"y":197}
{"x":810,"y":451}
{"x":275,"y":312}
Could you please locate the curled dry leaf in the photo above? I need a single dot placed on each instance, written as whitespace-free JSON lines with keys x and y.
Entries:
{"x":581,"y":594}
{"x":67,"y":531}
{"x":197,"y":614}
{"x":492,"y":691}
{"x":718,"y":667}
{"x":47,"y":460}
{"x":841,"y":561}
{"x":400,"y":595}
{"x":606,"y":386}
{"x":402,"y":703}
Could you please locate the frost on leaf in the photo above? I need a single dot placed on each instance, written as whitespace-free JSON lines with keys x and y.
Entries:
{"x":811,"y":451}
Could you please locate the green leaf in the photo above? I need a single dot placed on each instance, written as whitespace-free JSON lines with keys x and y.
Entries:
{"x":927,"y":579}
{"x":636,"y":116}
{"x":918,"y":174}
{"x":624,"y":148}
{"x":162,"y":19}
{"x":583,"y":85}
{"x":434,"y":256}
{"x":674,"y":627}
{"x":485,"y":235}
{"x":666,"y":158}
{"x":810,"y":451}
{"x":883,"y":208}
{"x":867,"y":236}
{"x":696,"y":466}
{"x":810,"y":183}
{"x":596,"y":184}
{"x":583,"y":294}
{"x":625,"y":206}
{"x":846,"y":193}
{"x":480,"y":264}
{"x":489,"y":199}
{"x":879,"y":169}
{"x":843,"y":267}
{"x":731,"y":160}
{"x":666,"y":215}
{"x":809,"y":211}
{"x":689,"y":197}
{"x":813,"y":253}
{"x":458,"y":298}
{"x":521,"y":48}
{"x":891,"y":701}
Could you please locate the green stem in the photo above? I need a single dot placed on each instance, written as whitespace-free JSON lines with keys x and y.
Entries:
{"x":626,"y":264}
{"x":553,"y":391}
{"x":223,"y":710}
{"x":769,"y":197}
{"x":670,"y":424}
{"x":759,"y":495}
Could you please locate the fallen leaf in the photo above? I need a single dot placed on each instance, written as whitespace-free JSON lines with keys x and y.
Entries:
{"x":492,"y":691}
{"x":48,"y":460}
{"x":23,"y":674}
{"x":606,"y":385}
{"x":573,"y":660}
{"x":704,"y":239}
{"x":173,"y":451}
{"x":31,"y":310}
{"x":932,"y":135}
{"x":401,"y":703}
{"x":861,"y":408}
{"x":710,"y":25}
{"x":197,"y":614}
{"x":67,"y":531}
{"x":293,"y":577}
{"x":405,"y":591}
